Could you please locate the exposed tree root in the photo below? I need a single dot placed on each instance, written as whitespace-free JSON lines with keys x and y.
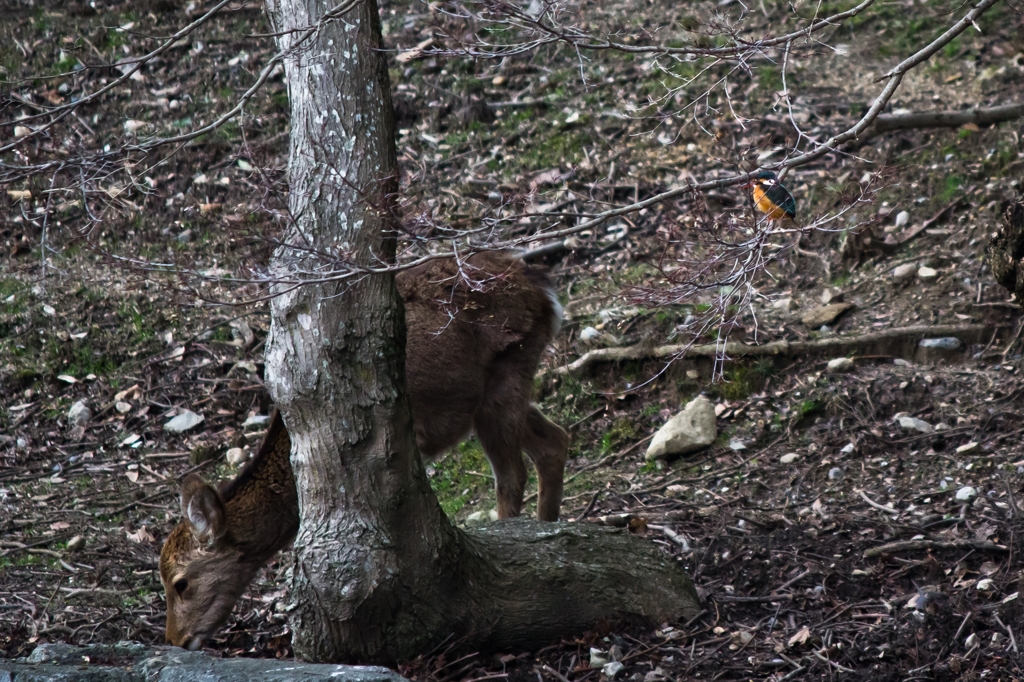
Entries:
{"x":910,"y":545}
{"x":876,"y":343}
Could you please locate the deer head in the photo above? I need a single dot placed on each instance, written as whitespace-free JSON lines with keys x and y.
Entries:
{"x":203,"y":570}
{"x":210,"y":557}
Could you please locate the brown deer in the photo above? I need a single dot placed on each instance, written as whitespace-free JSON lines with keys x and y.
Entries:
{"x":474,"y":338}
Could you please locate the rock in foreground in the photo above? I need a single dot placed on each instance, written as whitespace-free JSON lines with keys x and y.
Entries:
{"x":692,"y":429}
{"x":129,"y":662}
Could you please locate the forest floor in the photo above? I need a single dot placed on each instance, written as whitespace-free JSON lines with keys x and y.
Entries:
{"x":779,"y":522}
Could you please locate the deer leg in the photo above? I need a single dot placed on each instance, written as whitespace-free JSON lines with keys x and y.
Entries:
{"x":548,"y":446}
{"x":501,"y":438}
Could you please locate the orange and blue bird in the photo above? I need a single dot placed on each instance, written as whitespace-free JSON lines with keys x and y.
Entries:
{"x":771,"y":197}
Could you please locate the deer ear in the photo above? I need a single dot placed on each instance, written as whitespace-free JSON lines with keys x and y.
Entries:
{"x":203,"y":509}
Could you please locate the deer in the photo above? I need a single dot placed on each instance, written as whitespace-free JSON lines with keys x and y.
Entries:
{"x":475,"y":333}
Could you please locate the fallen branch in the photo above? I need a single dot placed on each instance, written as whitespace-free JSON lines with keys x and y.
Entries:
{"x":909,"y":545}
{"x":885,"y":123}
{"x":838,"y":345}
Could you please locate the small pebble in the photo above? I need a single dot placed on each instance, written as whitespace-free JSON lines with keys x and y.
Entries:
{"x":789,"y":458}
{"x":589,"y":334}
{"x":927,"y":273}
{"x":905,"y":271}
{"x":902,"y":218}
{"x":76,"y":543}
{"x":840,"y":365}
{"x":236,"y":456}
{"x":965,"y":493}
{"x":835,"y":473}
{"x":915,"y":424}
{"x":945,"y":343}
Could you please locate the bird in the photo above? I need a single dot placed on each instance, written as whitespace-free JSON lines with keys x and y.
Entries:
{"x":771,"y":197}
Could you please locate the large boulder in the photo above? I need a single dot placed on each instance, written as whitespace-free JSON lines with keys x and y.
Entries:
{"x":692,"y":429}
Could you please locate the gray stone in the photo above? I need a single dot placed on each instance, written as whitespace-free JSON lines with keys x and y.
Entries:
{"x":915,"y":424}
{"x":904,"y":272}
{"x":236,"y":456}
{"x":966,"y":493}
{"x":130,"y":662}
{"x":692,"y":429}
{"x":944,"y":343}
{"x":840,"y":365}
{"x":826,"y":314}
{"x":256,"y":421}
{"x":784,"y":305}
{"x":831,"y":296}
{"x":79,"y":414}
{"x":184,"y":421}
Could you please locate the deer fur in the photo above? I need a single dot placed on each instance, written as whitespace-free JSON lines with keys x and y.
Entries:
{"x":474,"y":338}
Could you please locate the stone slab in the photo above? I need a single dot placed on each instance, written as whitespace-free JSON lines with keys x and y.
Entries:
{"x":131,"y":662}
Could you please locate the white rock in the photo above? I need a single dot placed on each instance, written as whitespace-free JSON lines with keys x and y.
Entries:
{"x":789,"y":458}
{"x":902,"y":218}
{"x":132,"y":125}
{"x":831,"y":296}
{"x":784,"y":304}
{"x":692,"y":429}
{"x":589,"y":334}
{"x":612,"y":669}
{"x":184,"y":421}
{"x":79,"y":414}
{"x":256,"y":421}
{"x":123,"y":407}
{"x":76,"y":543}
{"x":966,"y":493}
{"x":971,"y":641}
{"x":840,"y":365}
{"x":904,"y":272}
{"x":479,"y":518}
{"x":967,"y":447}
{"x":597,"y":658}
{"x":927,"y":273}
{"x":237,"y":456}
{"x":986,"y":585}
{"x":915,"y":424}
{"x":848,"y":448}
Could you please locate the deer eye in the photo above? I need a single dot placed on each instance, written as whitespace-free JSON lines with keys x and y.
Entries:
{"x":180,"y":585}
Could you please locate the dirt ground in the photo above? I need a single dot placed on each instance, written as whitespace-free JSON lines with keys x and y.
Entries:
{"x":779,"y":522}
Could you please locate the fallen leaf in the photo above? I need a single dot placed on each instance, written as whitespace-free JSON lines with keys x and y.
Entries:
{"x":60,"y":525}
{"x":800,"y":637}
{"x":141,"y":535}
{"x":415,"y":53}
{"x":131,"y":393}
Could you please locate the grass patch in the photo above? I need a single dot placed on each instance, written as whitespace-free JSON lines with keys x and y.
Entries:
{"x":460,"y":476}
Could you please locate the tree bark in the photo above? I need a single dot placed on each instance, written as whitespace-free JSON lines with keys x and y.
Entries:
{"x":380,"y":574}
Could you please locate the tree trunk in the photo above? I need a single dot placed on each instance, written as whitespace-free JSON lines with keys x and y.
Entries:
{"x":380,"y":573}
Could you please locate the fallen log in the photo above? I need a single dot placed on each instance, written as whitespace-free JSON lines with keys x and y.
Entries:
{"x":836,"y":345}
